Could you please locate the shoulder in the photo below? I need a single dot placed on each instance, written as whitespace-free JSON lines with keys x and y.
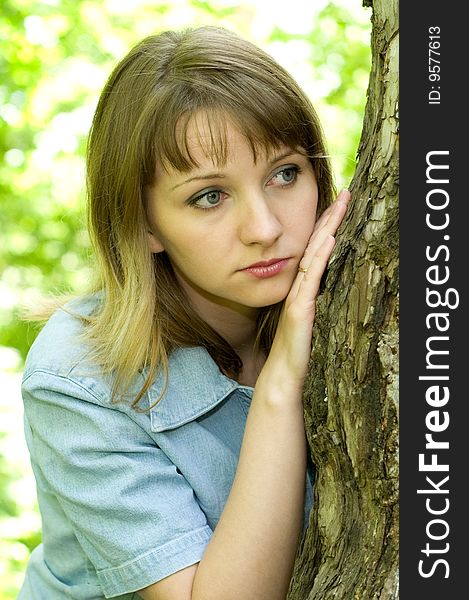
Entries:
{"x":60,"y":342}
{"x":60,"y":352}
{"x":60,"y":361}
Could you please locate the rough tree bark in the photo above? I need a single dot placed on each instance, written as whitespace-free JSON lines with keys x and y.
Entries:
{"x":350,"y":551}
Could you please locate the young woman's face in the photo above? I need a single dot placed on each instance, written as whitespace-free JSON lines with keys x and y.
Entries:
{"x":234,"y":234}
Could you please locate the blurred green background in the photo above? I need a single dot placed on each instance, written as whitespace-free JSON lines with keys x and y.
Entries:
{"x":55,"y":57}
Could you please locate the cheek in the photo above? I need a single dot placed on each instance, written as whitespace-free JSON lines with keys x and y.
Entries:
{"x":304,"y":219}
{"x":194,"y":255}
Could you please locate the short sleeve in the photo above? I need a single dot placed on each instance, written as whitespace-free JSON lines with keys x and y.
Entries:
{"x":134,"y":515}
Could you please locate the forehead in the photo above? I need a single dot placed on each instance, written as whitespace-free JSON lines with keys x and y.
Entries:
{"x":216,"y":138}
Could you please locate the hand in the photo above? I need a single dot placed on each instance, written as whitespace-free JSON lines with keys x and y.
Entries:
{"x":291,"y":348}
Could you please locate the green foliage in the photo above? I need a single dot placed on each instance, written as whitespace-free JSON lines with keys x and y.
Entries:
{"x":54,"y":58}
{"x":339,"y":53}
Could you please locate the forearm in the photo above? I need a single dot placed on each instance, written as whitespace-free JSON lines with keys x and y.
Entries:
{"x":252,"y":551}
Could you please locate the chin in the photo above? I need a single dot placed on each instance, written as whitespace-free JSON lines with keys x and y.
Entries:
{"x":267,"y":299}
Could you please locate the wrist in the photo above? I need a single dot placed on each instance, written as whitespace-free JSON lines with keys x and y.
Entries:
{"x":278,"y":385}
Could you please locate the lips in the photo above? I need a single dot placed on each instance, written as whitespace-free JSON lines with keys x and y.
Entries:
{"x":265,"y":263}
{"x":266,"y":268}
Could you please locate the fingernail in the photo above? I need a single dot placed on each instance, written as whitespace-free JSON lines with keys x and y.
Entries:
{"x":343,"y":197}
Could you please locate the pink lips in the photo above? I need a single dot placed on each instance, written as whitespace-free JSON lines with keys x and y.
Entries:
{"x":267,"y":268}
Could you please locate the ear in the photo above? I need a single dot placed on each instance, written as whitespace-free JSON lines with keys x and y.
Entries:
{"x":154,"y":243}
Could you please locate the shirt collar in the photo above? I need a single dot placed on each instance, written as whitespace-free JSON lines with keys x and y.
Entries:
{"x":195,"y":386}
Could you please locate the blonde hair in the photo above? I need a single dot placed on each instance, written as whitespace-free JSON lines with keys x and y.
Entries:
{"x":163,"y":81}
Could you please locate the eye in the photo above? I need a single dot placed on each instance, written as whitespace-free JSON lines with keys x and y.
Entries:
{"x":285,"y":176}
{"x":207,"y":200}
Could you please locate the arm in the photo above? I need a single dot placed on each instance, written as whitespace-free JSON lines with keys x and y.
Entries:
{"x":252,"y":551}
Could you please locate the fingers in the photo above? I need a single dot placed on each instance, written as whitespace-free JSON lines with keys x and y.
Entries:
{"x":343,"y":196}
{"x":293,"y":336}
{"x":326,"y":225}
{"x":307,"y":284}
{"x":319,"y":248}
{"x":334,"y":217}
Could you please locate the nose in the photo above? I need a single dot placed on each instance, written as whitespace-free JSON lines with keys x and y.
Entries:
{"x":258,"y":223}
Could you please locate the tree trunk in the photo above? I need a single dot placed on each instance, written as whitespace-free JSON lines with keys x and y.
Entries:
{"x":350,"y":550}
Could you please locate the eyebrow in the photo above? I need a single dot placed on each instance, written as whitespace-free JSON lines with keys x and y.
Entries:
{"x":216,"y":175}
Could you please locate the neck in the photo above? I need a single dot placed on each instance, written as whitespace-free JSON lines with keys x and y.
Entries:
{"x":236,"y":323}
{"x":237,"y":327}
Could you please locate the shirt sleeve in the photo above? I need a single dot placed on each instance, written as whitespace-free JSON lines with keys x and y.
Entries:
{"x":132,"y":512}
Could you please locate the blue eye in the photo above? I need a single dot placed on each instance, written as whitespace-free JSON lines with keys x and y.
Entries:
{"x":285,"y":176}
{"x":207,"y":200}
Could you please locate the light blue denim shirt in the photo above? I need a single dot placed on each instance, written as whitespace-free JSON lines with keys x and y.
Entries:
{"x":126,"y":497}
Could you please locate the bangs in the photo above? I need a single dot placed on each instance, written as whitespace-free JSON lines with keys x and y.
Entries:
{"x":263,"y":117}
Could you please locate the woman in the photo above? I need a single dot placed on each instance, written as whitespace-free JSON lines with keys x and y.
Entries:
{"x":163,"y":409}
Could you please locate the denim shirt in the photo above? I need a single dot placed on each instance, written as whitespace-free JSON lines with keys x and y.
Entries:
{"x":126,"y":497}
